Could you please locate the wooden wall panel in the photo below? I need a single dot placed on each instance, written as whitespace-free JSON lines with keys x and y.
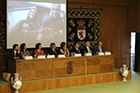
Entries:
{"x":114,"y":32}
{"x":103,"y":2}
{"x":137,"y":14}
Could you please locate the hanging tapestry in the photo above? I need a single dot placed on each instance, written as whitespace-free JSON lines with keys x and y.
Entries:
{"x":83,"y":25}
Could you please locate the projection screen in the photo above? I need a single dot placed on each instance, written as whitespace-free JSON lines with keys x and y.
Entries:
{"x":36,"y":21}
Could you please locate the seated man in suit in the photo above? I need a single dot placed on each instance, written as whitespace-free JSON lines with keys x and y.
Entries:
{"x":15,"y":53}
{"x":53,"y":50}
{"x":87,"y":48}
{"x":76,"y":49}
{"x":99,"y":48}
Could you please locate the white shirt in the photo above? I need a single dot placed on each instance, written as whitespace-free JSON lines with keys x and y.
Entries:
{"x":89,"y":51}
{"x":15,"y":53}
{"x":100,"y":49}
{"x":54,"y":50}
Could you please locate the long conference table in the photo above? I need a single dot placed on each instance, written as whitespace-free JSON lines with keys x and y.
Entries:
{"x":61,"y":67}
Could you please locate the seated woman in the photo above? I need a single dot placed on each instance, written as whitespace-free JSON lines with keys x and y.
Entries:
{"x":38,"y":50}
{"x":23,"y":50}
{"x":64,"y":50}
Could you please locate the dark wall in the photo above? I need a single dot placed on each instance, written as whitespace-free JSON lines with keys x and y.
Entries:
{"x":2,"y":2}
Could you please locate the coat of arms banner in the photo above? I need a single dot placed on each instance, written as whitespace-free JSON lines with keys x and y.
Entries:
{"x":83,"y":25}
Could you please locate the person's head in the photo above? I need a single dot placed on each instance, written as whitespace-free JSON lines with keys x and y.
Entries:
{"x":38,"y":46}
{"x":63,"y":45}
{"x":87,"y":43}
{"x":100,"y":43}
{"x":76,"y":44}
{"x":55,"y":10}
{"x":33,"y":17}
{"x":15,"y":47}
{"x":23,"y":46}
{"x":32,"y":13}
{"x":52,"y":45}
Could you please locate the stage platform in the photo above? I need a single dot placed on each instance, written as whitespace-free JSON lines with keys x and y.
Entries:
{"x":63,"y":82}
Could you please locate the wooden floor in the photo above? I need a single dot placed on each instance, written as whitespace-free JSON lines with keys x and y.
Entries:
{"x":47,"y":84}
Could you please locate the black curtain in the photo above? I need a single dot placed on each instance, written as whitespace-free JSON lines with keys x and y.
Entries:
{"x":137,"y":52}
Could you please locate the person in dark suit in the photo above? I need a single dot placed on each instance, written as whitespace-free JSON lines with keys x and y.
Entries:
{"x":76,"y":49}
{"x":99,"y":48}
{"x":87,"y":48}
{"x":53,"y":50}
{"x":15,"y":53}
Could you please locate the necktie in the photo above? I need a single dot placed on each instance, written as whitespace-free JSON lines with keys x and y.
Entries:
{"x":16,"y":53}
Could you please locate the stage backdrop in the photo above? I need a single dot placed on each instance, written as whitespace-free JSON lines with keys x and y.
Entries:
{"x":83,"y":25}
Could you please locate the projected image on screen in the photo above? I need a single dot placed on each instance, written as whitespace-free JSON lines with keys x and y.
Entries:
{"x":33,"y":22}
